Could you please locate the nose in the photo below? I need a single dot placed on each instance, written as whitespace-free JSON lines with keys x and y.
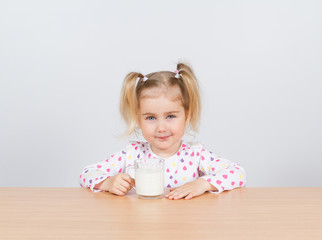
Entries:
{"x":162,"y":126}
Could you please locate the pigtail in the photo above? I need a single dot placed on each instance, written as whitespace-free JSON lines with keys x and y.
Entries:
{"x":190,"y":81}
{"x":128,"y":101}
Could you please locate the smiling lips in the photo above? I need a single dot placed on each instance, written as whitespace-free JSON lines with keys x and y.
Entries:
{"x":163,"y":137}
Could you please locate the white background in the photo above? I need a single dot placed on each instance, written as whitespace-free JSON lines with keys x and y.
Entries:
{"x":62,"y":64}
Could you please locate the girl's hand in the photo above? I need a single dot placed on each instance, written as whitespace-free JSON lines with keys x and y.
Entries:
{"x":119,"y":184}
{"x":191,"y":189}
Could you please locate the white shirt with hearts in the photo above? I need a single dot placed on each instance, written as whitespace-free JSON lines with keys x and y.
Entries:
{"x":189,"y":163}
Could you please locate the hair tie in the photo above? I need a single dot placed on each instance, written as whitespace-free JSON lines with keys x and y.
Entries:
{"x":138,"y":79}
{"x":178,"y":75}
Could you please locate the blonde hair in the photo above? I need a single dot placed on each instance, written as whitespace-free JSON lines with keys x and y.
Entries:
{"x":134,"y":84}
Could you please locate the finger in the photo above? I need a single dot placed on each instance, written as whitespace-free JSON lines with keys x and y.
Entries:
{"x":126,"y":185}
{"x":175,"y":190}
{"x":117,"y":192}
{"x":132,"y":182}
{"x":180,"y":194}
{"x":120,"y":188}
{"x":174,"y":195}
{"x":171,"y":192}
{"x":172,"y":189}
{"x":128,"y":179}
{"x":190,"y":195}
{"x":125,"y":176}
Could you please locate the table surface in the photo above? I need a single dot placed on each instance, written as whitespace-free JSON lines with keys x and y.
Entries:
{"x":77,"y":213}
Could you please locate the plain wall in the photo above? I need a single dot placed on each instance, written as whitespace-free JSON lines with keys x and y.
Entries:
{"x":62,"y":64}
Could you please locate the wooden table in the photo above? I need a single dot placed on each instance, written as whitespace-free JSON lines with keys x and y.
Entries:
{"x":76,"y":213}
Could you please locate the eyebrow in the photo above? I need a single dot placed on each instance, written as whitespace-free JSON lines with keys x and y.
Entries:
{"x":166,"y":113}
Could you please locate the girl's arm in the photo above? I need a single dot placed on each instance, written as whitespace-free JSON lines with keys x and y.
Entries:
{"x":216,"y":175}
{"x":221,"y":173}
{"x":93,"y":175}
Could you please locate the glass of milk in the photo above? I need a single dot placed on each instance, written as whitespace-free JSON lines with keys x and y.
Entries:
{"x":149,"y":177}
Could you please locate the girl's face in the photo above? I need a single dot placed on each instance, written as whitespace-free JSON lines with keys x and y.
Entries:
{"x":162,"y":122}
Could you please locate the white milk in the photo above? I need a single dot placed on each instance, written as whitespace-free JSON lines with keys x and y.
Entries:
{"x":149,"y":182}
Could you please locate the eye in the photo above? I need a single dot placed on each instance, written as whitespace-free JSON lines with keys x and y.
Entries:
{"x":171,"y":116}
{"x":150,"y":118}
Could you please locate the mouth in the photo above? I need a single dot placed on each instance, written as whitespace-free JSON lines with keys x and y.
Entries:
{"x":163,"y":138}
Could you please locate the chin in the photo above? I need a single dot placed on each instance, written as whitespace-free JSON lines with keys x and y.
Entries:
{"x":163,"y":145}
{"x":166,"y":145}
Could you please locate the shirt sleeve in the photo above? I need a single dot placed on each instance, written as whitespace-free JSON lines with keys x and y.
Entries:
{"x":221,"y":173}
{"x":98,"y":172}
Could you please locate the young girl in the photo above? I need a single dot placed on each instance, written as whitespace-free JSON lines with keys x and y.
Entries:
{"x":163,"y":105}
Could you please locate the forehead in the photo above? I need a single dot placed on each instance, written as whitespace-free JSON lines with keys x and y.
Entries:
{"x":172,"y":93}
{"x":159,"y":102}
{"x":159,"y":106}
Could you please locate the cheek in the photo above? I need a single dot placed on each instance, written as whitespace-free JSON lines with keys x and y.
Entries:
{"x":183,"y":125}
{"x":179,"y":126}
{"x":146,"y":128}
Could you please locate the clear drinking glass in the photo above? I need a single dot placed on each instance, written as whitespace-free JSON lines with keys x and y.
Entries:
{"x":149,"y":177}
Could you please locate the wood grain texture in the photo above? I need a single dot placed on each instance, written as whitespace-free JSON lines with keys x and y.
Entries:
{"x":76,"y":213}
